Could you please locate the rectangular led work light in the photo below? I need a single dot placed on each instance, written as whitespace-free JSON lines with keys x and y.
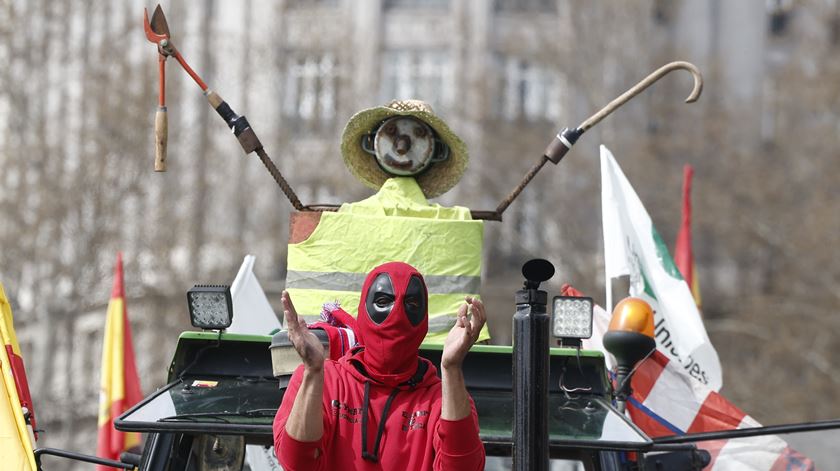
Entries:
{"x":210,"y":306}
{"x":571,"y":317}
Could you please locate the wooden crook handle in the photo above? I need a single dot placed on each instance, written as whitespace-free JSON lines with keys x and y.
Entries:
{"x":161,"y":135}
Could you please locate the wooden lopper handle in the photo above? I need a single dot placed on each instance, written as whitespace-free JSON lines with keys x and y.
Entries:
{"x":161,"y":135}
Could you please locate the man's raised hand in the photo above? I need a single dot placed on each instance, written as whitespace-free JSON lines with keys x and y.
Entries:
{"x":305,"y":342}
{"x":464,"y":333}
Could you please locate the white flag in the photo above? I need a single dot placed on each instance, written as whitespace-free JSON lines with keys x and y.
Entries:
{"x":633,"y":247}
{"x":252,"y":313}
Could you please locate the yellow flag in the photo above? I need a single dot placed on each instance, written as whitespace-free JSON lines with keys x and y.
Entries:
{"x":15,"y":442}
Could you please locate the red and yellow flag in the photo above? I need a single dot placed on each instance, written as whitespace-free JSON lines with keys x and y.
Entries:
{"x":120,"y":385}
{"x":683,"y":253}
{"x":16,"y":439}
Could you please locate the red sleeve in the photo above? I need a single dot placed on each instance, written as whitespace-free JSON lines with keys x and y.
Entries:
{"x":294,"y":454}
{"x":457,"y":444}
{"x":337,"y":344}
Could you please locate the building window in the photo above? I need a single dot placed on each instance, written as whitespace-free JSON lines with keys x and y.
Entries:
{"x":309,"y":95}
{"x":529,"y":91}
{"x":526,"y":5}
{"x":310,"y":3}
{"x":663,"y":11}
{"x":416,"y":3}
{"x":779,"y":11}
{"x":424,"y":75}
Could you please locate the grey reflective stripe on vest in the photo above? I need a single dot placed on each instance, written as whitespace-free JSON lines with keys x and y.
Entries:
{"x":442,"y":323}
{"x":437,"y":324}
{"x":330,"y":281}
{"x":343,"y":281}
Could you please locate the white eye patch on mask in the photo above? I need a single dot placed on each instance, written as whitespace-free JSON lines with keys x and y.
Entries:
{"x":405,"y":146}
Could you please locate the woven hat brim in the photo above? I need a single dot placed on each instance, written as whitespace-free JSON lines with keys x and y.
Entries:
{"x":435,"y":181}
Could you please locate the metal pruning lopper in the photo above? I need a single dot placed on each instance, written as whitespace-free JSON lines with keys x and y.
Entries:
{"x":157,"y":32}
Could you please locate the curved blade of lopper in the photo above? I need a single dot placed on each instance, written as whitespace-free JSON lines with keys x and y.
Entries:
{"x":157,"y":29}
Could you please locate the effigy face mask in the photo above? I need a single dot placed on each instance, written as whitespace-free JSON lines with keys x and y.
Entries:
{"x":404,"y":146}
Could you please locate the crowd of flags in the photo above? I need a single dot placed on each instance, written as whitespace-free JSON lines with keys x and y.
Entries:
{"x":675,"y":390}
{"x":119,"y":386}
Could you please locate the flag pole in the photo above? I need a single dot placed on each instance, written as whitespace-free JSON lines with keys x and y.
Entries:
{"x":831,"y":424}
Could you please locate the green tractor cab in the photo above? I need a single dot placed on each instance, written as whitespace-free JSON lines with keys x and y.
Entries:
{"x":222,"y":396}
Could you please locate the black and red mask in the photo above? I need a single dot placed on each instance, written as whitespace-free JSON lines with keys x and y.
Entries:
{"x":392,"y":322}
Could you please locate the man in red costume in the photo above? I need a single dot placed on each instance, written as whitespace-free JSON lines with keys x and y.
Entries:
{"x":381,"y":406}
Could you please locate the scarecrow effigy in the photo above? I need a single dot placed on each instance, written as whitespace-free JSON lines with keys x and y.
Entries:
{"x":409,"y":155}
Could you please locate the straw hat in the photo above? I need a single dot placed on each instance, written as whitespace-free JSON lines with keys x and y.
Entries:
{"x":434,"y":181}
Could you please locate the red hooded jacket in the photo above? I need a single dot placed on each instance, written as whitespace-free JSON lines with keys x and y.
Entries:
{"x":382,"y":402}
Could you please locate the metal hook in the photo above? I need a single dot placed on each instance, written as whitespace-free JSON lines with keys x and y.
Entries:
{"x":441,"y":151}
{"x":367,"y":144}
{"x":645,"y":83}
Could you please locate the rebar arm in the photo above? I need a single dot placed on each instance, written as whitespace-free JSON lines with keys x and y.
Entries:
{"x":566,"y":138}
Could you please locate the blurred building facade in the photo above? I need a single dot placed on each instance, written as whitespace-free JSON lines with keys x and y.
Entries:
{"x":505,"y":74}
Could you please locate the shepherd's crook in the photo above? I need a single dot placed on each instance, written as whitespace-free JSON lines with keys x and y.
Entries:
{"x":566,"y":138}
{"x":639,"y":87}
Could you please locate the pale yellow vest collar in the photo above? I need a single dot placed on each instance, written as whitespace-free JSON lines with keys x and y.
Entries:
{"x":402,"y":196}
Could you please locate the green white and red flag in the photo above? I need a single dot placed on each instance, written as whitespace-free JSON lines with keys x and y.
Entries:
{"x":667,"y":398}
{"x":633,"y":247}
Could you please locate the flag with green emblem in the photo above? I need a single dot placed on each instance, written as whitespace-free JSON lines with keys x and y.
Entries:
{"x":633,"y":248}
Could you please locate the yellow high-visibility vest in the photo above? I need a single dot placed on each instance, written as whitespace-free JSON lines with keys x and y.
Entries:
{"x":396,"y":224}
